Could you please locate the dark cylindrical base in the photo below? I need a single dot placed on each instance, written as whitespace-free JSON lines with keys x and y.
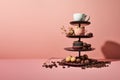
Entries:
{"x":79,"y":54}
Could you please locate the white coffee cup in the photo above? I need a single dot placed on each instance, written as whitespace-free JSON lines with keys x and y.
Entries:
{"x":79,"y":17}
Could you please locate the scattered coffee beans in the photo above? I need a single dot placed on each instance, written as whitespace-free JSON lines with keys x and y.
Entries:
{"x":83,"y":62}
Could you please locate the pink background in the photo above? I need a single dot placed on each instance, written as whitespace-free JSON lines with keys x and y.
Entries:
{"x":31,"y":28}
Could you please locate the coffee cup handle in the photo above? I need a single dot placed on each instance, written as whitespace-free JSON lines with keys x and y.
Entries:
{"x":88,"y":19}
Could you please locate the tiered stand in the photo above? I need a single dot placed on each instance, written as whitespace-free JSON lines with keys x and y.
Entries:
{"x":78,"y":23}
{"x":90,"y":62}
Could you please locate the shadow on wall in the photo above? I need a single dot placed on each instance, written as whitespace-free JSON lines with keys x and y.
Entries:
{"x":111,"y":50}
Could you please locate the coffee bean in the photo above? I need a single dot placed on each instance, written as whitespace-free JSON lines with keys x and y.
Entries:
{"x":63,"y":67}
{"x":85,"y":56}
{"x":83,"y":67}
{"x":86,"y":62}
{"x":68,"y":66}
{"x":83,"y":62}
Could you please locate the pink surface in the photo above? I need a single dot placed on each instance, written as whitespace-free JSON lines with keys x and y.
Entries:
{"x":30,"y":69}
{"x":31,"y":28}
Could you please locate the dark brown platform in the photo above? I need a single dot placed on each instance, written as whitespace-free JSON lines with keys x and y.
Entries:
{"x":75,"y":36}
{"x":80,"y":22}
{"x":72,"y":49}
